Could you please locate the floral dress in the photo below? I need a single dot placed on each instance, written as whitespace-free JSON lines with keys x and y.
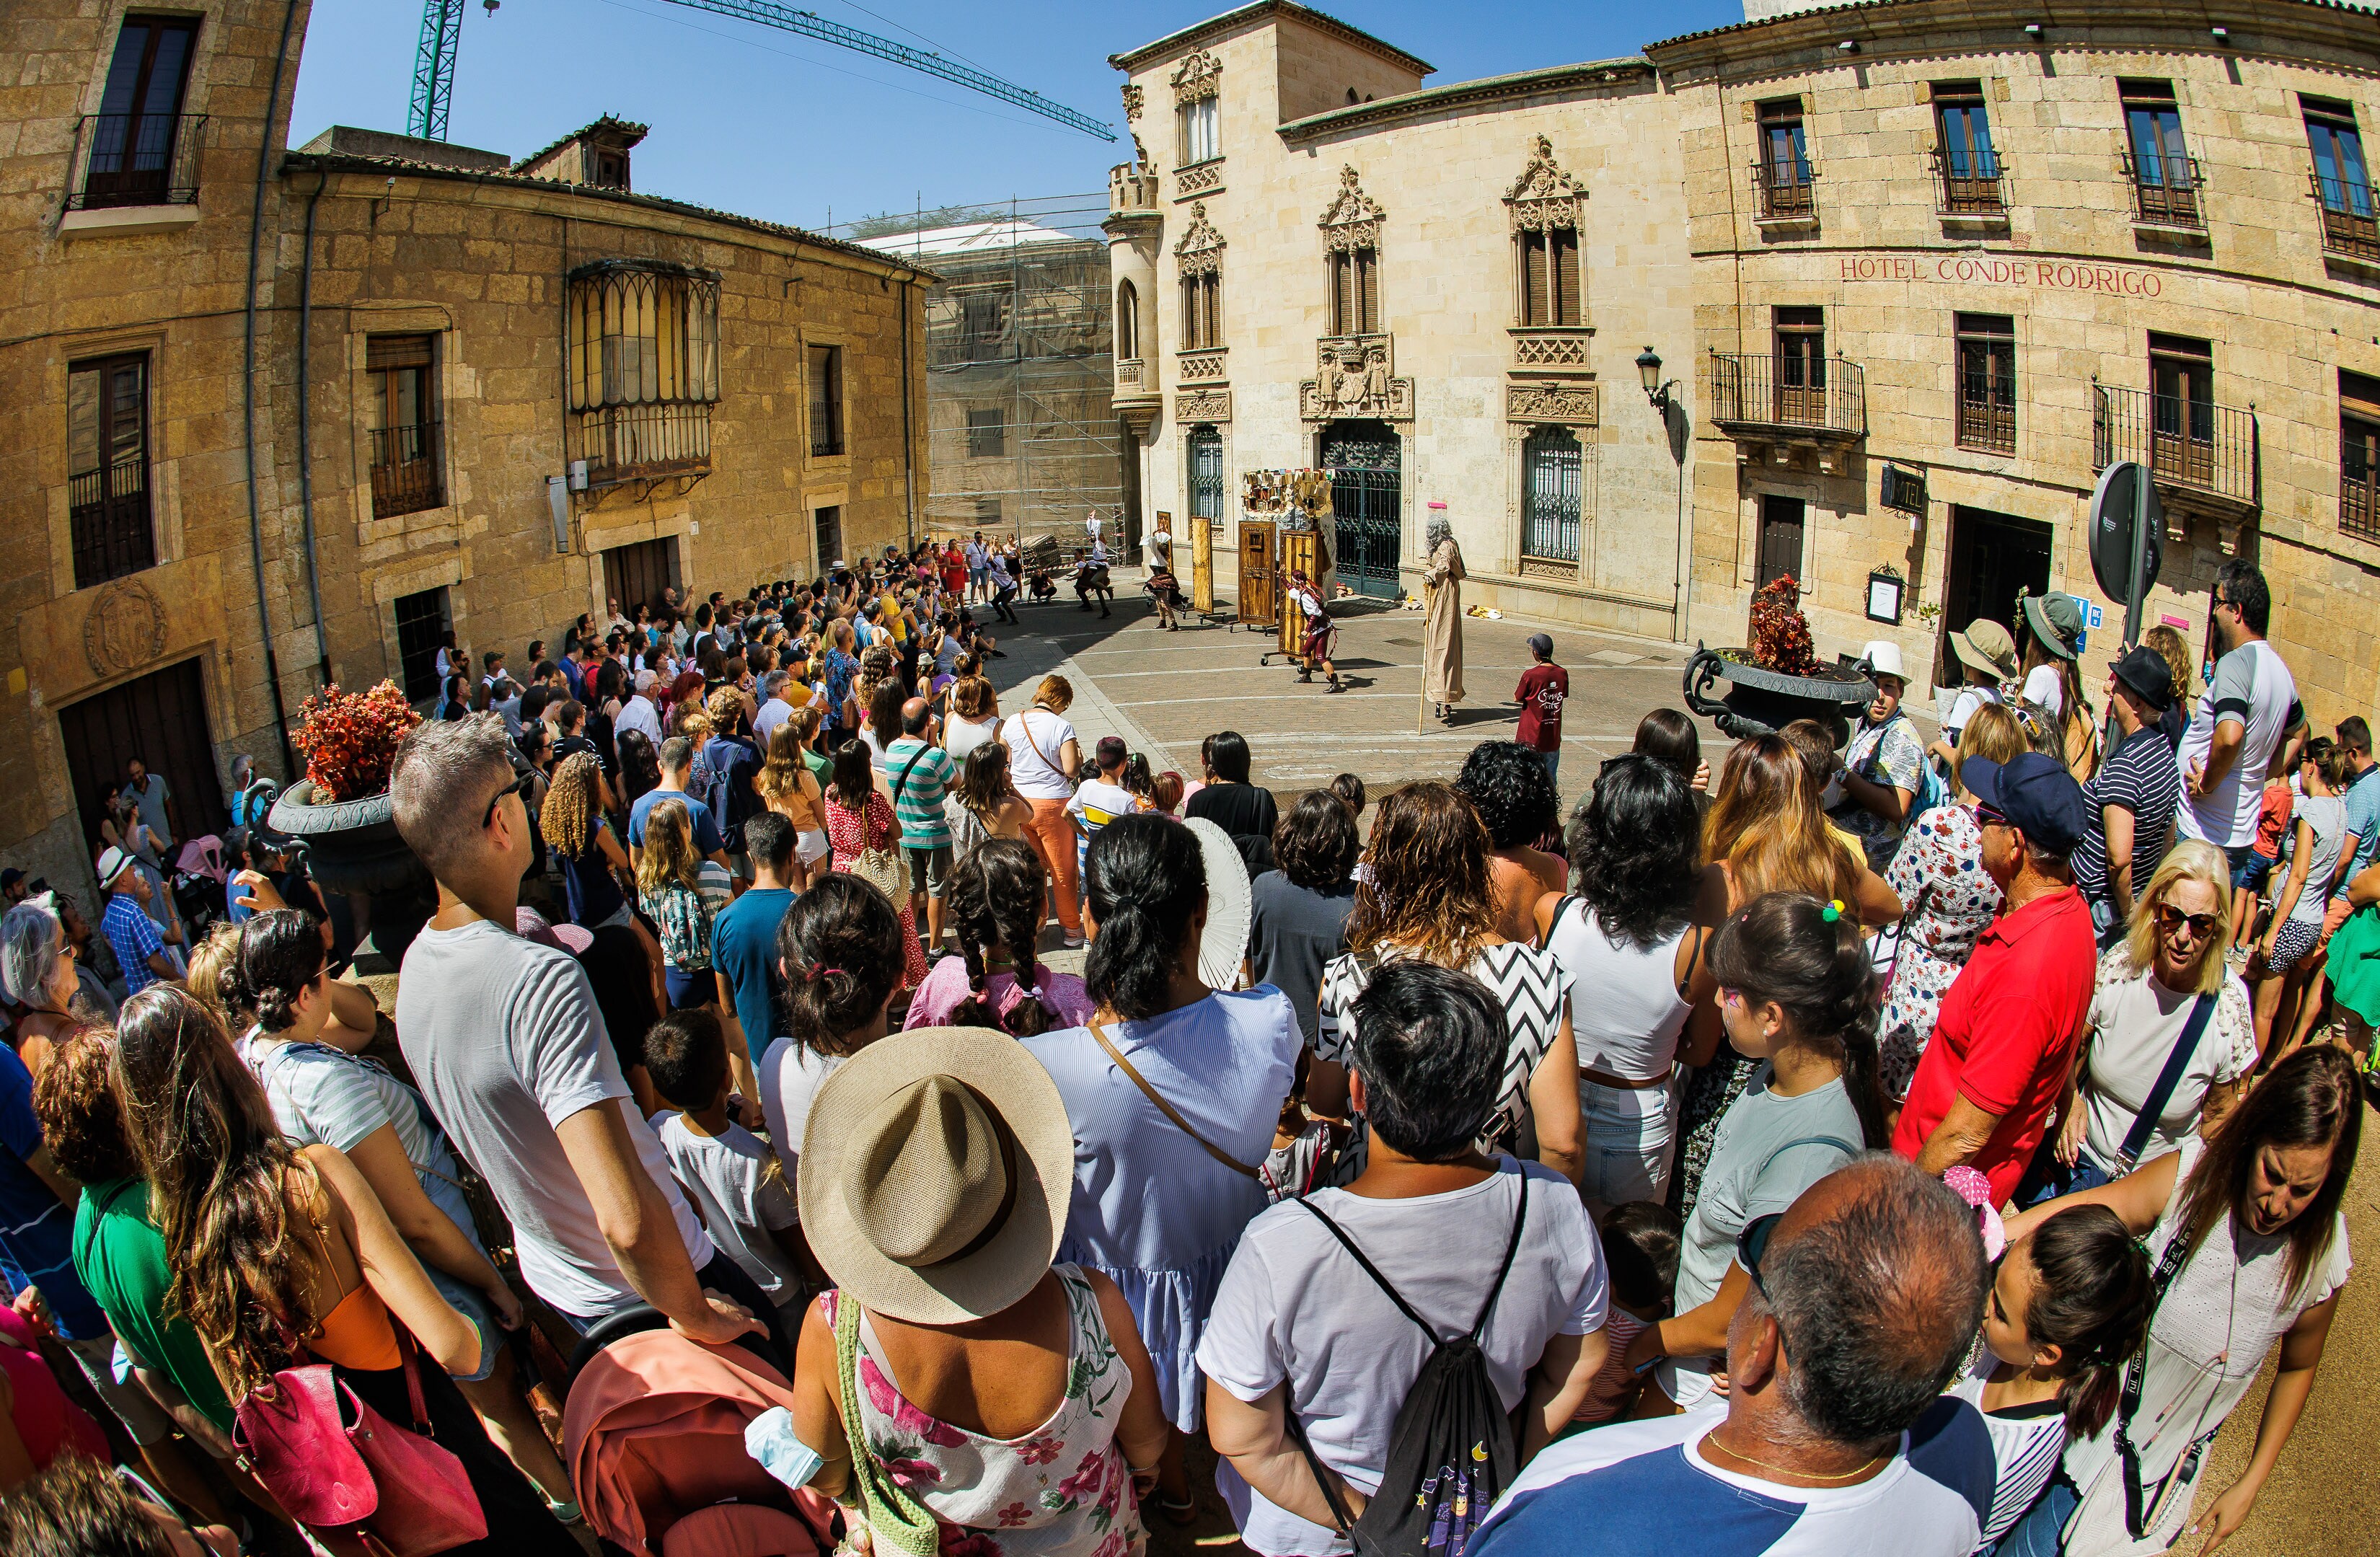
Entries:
{"x":1950,"y":898}
{"x":1061,"y":1491}
{"x":854,"y":834}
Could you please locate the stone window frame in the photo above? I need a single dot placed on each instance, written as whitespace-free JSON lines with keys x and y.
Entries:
{"x":1351,"y":228}
{"x":1544,"y":199}
{"x":1198,"y":258}
{"x":1197,"y":80}
{"x":457,"y":406}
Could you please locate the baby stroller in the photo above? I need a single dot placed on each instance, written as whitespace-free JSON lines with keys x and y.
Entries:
{"x":654,"y":1434}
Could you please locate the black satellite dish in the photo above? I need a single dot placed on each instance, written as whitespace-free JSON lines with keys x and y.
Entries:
{"x":2126,"y":496}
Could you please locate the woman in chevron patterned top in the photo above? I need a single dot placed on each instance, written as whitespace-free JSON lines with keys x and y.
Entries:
{"x":1429,"y":896}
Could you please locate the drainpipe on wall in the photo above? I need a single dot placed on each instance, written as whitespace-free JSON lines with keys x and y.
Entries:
{"x":248,"y":394}
{"x":908,"y":440}
{"x":305,"y":432}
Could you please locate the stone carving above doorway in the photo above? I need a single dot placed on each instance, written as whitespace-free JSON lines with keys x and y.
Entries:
{"x":126,"y":627}
{"x":1355,"y":380}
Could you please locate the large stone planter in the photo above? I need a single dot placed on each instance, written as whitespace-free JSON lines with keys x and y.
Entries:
{"x":1758,"y":702}
{"x":352,"y":847}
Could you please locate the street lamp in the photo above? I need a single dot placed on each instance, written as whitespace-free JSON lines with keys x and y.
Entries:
{"x":1648,"y":368}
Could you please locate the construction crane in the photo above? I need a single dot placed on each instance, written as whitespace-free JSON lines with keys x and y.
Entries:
{"x":441,"y":36}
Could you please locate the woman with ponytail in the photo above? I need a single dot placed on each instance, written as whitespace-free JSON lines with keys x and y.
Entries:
{"x":281,"y":1254}
{"x":1798,"y":999}
{"x":997,"y":898}
{"x":2066,"y":1308}
{"x":321,"y":1095}
{"x":1162,"y":1189}
{"x":839,"y":964}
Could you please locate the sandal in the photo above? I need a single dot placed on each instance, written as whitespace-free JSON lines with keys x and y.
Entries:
{"x":1177,"y":1511}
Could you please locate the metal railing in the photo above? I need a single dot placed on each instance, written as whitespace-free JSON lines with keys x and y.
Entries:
{"x":2186,"y":443}
{"x":1784,"y":189}
{"x":670,"y":438}
{"x":2172,"y":202}
{"x":1746,"y":389}
{"x":406,"y":468}
{"x":1970,"y":185}
{"x":2347,"y":216}
{"x":135,"y":159}
{"x":1988,"y":422}
{"x":2359,"y":483}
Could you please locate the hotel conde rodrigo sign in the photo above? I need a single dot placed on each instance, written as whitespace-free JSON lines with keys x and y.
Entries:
{"x":2002,"y":271}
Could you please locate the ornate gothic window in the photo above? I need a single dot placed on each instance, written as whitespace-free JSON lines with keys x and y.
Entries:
{"x":644,"y":366}
{"x":1196,"y":90}
{"x":1198,"y":256}
{"x":1351,"y":235}
{"x":1544,"y":206}
{"x":1127,"y":322}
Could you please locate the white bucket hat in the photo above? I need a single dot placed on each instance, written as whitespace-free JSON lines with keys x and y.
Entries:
{"x":1882,"y":657}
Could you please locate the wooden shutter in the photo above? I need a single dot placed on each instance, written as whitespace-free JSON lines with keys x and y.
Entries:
{"x":2358,"y":395}
{"x":1533,"y":278}
{"x":1343,"y":304}
{"x":1562,"y":245}
{"x":1365,"y":263}
{"x":397,"y":351}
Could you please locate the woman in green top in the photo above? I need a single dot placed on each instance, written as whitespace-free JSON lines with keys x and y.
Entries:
{"x":117,"y":1251}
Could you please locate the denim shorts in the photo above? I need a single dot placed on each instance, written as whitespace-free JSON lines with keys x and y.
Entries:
{"x":473,"y":1304}
{"x":2249,"y":869}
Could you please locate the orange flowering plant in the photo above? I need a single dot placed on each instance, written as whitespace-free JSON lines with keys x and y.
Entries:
{"x":350,"y":738}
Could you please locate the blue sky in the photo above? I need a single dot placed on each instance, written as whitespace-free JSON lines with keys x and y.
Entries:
{"x":773,"y":124}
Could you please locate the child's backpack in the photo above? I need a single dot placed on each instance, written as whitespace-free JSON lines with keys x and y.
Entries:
{"x":1451,"y":1453}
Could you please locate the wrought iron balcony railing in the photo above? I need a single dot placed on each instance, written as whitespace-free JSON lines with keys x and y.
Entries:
{"x":135,"y":159}
{"x":407,"y":466}
{"x":2348,"y":225}
{"x":2169,"y":198}
{"x":1825,"y":397}
{"x":666,"y":438}
{"x":2195,"y":445}
{"x":1785,"y":190}
{"x":1970,"y":183}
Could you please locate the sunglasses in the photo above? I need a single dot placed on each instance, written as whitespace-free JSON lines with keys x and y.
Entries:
{"x":2170,"y":918}
{"x":520,"y":786}
{"x":1987,"y":817}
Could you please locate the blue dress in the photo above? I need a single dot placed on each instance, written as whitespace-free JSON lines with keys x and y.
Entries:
{"x":1151,"y":1208}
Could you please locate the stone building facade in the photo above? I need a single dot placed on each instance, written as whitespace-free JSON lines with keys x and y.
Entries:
{"x":2126,"y":235}
{"x":272,"y":418}
{"x":1437,"y":294}
{"x":1915,"y":272}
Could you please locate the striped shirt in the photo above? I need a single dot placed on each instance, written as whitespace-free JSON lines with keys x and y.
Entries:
{"x":2028,"y":1443}
{"x":918,"y":796}
{"x":2141,"y":778}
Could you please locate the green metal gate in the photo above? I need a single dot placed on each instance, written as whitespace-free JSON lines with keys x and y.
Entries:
{"x":1366,"y":460}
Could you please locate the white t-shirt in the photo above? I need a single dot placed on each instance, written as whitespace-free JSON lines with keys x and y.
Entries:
{"x":728,"y":1175}
{"x":2253,"y":688}
{"x":2135,"y":1022}
{"x":1036,"y":740}
{"x":2027,"y":1443}
{"x":2043,"y":685}
{"x":1296,"y":1305}
{"x":1100,"y":802}
{"x":1963,"y":706}
{"x":506,"y":1042}
{"x":791,"y":1075}
{"x":961,"y":735}
{"x":1644,"y":1490}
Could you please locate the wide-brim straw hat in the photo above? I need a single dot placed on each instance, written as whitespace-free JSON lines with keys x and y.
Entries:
{"x":936,"y":1173}
{"x":1987,"y":646}
{"x":1230,"y":906}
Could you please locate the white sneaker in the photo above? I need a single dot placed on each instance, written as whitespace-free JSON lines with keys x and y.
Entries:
{"x":1074,"y":943}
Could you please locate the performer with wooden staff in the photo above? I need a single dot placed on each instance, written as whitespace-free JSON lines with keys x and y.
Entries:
{"x":1441,"y":665}
{"x":1314,"y":648}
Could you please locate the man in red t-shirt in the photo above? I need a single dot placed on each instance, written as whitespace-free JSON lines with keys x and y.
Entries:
{"x":2010,"y":1022}
{"x":1544,"y":687}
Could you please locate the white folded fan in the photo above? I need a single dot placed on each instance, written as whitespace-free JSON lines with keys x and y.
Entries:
{"x":1225,"y":943}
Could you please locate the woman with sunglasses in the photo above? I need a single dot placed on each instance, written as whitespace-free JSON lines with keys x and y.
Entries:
{"x":2247,"y":1252}
{"x":2164,"y":986}
{"x":1797,"y":996}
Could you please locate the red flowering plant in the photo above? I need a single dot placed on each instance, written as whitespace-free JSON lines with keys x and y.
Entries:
{"x":350,"y":738}
{"x":1780,"y":634}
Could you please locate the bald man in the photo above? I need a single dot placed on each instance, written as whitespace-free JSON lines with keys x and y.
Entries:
{"x":1836,"y":1439}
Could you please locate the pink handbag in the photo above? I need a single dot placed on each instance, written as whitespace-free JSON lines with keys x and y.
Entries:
{"x":337,"y":1465}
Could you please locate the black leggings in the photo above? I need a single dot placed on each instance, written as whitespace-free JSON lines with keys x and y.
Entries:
{"x":519,"y":1525}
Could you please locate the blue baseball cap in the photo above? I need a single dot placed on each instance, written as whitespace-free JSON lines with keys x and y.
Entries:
{"x":2035,"y":793}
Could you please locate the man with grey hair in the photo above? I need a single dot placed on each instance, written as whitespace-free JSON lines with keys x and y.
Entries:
{"x":1441,"y":655}
{"x":2005,"y":1038}
{"x":508,"y":1046}
{"x":1837,"y":1437}
{"x":774,"y":708}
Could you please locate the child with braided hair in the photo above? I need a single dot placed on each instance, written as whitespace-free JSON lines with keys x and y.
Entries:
{"x":996,"y":900}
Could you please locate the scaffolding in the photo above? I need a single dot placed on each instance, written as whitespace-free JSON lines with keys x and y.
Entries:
{"x":1021,"y":435}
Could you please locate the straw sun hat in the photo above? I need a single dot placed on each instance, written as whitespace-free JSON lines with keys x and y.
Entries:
{"x":935,"y":1174}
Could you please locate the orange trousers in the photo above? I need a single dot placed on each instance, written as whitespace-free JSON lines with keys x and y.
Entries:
{"x":1052,"y":833}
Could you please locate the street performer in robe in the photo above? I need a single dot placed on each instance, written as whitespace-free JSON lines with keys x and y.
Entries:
{"x":1314,"y":648}
{"x":1441,"y":665}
